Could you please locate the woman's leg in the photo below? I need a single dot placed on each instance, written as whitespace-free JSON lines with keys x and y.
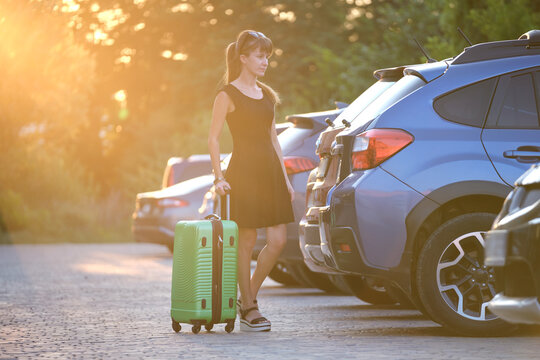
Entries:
{"x":276,"y":238}
{"x":246,"y":242}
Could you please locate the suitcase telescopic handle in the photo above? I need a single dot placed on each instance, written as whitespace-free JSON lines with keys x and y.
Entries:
{"x":227,"y":209}
{"x":227,"y":205}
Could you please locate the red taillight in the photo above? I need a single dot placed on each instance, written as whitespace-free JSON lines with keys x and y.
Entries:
{"x":172,"y":203}
{"x":345,"y":248}
{"x":297,"y":164}
{"x":373,"y":147}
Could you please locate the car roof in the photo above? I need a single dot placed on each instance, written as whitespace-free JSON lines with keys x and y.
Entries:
{"x":527,"y":44}
{"x":484,"y":60}
{"x":192,"y":158}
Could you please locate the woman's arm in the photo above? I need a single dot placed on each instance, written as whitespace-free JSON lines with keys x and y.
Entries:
{"x":219,"y":112}
{"x":277,"y":147}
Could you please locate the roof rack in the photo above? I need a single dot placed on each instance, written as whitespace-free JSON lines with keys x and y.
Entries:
{"x":527,"y":44}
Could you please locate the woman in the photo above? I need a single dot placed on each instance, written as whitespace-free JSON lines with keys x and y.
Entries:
{"x":261,"y":194}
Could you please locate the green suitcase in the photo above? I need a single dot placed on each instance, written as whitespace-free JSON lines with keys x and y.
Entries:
{"x":204,"y":273}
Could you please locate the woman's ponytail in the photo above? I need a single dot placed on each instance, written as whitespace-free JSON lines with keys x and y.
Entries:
{"x":232,"y":61}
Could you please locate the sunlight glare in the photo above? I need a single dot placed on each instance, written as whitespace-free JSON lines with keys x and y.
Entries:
{"x":70,"y":6}
{"x":183,"y":7}
{"x":139,"y":26}
{"x":180,"y":57}
{"x":120,"y":95}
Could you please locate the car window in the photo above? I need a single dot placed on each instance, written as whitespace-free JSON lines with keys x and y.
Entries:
{"x":537,"y":88}
{"x":393,"y":94}
{"x":519,"y":104}
{"x":514,"y":104}
{"x":292,"y":138}
{"x":192,"y":170}
{"x":362,"y":101}
{"x":467,"y":105}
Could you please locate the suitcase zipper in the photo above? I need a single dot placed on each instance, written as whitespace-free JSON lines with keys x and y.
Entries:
{"x":217,"y":264}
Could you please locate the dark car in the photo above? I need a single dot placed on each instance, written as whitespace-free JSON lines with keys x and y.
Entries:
{"x":513,"y":249}
{"x":421,"y":182}
{"x":157,"y":212}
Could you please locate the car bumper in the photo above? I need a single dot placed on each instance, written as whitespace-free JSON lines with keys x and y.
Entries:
{"x":519,"y":310}
{"x":363,"y":230}
{"x":152,"y":230}
{"x":310,"y":245}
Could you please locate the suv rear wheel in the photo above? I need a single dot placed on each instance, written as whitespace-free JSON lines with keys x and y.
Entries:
{"x":303,"y":275}
{"x":372,"y":291}
{"x":281,"y":274}
{"x":453,"y":283}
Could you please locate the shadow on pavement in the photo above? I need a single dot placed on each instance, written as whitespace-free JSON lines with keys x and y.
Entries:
{"x":434,"y":330}
{"x":390,"y":317}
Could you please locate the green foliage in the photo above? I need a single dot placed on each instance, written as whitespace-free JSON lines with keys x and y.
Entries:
{"x":482,"y":21}
{"x":44,"y":100}
{"x":45,"y":84}
{"x":45,"y":196}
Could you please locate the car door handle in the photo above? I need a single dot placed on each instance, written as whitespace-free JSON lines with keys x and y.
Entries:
{"x":514,"y":154}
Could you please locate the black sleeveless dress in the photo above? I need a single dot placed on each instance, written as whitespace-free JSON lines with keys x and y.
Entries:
{"x":259,"y":195}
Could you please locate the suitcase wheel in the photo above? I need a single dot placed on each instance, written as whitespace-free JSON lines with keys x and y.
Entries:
{"x":176,"y":326}
{"x":196,"y":329}
{"x":208,"y":327}
{"x":230,"y":326}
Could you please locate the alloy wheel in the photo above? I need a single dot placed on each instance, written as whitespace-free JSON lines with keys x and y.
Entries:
{"x":464,"y":282}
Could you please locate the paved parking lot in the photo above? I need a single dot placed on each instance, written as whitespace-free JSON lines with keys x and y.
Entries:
{"x":112,"y":301}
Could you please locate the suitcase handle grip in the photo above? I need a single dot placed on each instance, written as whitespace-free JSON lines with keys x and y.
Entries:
{"x":228,"y":209}
{"x":212,"y":217}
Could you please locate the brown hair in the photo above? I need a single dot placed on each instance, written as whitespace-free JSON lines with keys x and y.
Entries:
{"x":247,"y":42}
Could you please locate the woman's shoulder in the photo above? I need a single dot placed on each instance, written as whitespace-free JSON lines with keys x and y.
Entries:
{"x":227,"y":89}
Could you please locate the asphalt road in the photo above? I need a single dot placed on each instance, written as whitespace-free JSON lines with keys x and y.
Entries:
{"x":112,"y":301}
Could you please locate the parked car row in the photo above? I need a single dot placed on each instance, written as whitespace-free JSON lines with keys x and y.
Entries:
{"x":407,"y":188}
{"x":395,"y":193}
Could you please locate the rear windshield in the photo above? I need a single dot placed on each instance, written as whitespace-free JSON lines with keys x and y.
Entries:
{"x":402,"y":88}
{"x":361,"y":102}
{"x":292,"y":138}
{"x":191,"y":170}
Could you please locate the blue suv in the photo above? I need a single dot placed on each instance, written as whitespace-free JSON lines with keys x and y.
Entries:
{"x":421,"y":182}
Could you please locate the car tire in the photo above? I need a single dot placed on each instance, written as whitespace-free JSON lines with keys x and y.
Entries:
{"x":341,"y":284}
{"x":281,"y":274}
{"x":368,"y":290}
{"x":399,"y":297}
{"x":453,"y":284}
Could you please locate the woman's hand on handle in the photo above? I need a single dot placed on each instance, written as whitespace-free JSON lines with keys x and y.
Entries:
{"x":223,"y":187}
